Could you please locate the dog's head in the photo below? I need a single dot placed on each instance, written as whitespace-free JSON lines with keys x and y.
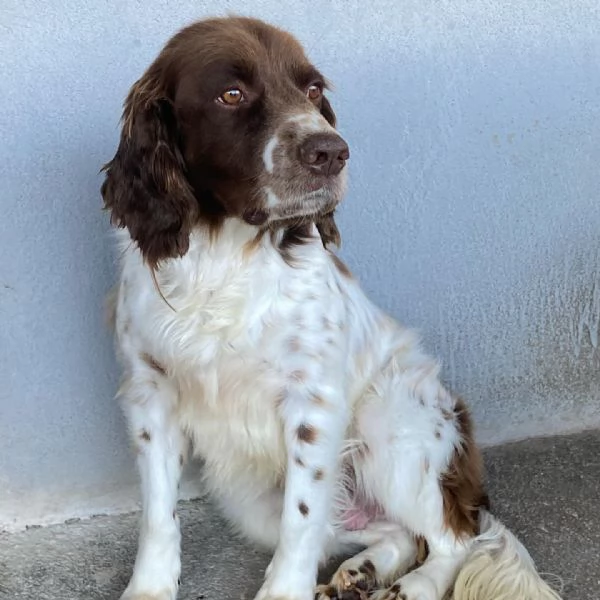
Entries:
{"x":229,"y":121}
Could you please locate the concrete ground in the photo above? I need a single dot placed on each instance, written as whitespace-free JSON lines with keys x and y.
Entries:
{"x":546,"y":490}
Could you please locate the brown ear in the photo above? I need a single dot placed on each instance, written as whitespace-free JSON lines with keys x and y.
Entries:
{"x":328,"y":230}
{"x":145,"y":187}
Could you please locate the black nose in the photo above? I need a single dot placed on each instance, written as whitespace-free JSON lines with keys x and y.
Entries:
{"x":324,"y":153}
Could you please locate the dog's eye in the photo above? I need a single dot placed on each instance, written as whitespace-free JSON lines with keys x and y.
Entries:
{"x":314,"y":91}
{"x":232,"y":97}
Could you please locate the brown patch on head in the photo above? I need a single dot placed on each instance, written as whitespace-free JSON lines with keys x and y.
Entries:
{"x":153,"y":363}
{"x":144,"y":435}
{"x":462,"y":483}
{"x":307,"y":433}
{"x":340,"y":265}
{"x":318,"y":475}
{"x":303,"y":508}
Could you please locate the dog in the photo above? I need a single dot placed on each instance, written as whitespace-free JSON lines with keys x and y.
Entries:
{"x":321,"y":423}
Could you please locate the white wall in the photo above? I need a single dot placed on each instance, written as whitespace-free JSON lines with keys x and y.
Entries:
{"x":473,"y":212}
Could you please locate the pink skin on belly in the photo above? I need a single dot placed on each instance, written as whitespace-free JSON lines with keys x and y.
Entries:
{"x":358,"y":517}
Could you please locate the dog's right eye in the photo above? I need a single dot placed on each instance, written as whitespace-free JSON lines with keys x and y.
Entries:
{"x":232,"y":97}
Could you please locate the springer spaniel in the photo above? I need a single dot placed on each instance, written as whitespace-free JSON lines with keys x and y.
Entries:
{"x":321,"y":423}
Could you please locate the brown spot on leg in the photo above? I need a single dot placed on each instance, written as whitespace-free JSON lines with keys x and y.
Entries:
{"x":462,"y":483}
{"x":153,"y":363}
{"x":303,"y":508}
{"x":145,"y":436}
{"x":307,"y":433}
{"x":318,"y":475}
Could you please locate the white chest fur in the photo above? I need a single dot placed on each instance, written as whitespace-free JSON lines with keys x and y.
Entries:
{"x":241,"y":324}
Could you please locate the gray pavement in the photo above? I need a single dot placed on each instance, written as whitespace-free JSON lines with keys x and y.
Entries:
{"x":546,"y":490}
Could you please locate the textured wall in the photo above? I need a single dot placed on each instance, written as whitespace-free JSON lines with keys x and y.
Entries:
{"x":473,"y":211}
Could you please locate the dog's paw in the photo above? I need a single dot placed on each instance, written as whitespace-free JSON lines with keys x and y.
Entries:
{"x":414,"y":586}
{"x":349,"y":583}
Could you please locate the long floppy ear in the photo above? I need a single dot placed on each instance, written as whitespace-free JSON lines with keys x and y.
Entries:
{"x":145,"y":186}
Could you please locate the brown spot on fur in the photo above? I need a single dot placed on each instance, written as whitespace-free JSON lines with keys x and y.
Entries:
{"x":298,"y":375}
{"x":145,"y":436}
{"x":422,"y":549}
{"x":280,"y":399}
{"x":462,"y":483}
{"x":299,"y":461}
{"x":448,"y":416}
{"x":368,"y":568}
{"x":307,"y":433}
{"x":341,"y":266}
{"x":303,"y":508}
{"x":317,"y":400}
{"x":318,"y":475}
{"x":153,"y":363}
{"x":438,"y":434}
{"x":294,"y":344}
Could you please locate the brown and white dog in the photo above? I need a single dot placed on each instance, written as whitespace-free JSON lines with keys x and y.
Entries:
{"x":321,"y":423}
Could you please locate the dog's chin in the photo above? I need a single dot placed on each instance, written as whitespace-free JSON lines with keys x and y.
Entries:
{"x":309,"y":208}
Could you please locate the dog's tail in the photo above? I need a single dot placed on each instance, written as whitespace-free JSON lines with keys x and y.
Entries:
{"x":500,"y":568}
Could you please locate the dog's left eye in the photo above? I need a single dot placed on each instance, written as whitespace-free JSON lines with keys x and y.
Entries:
{"x":314,"y":91}
{"x":232,"y":97}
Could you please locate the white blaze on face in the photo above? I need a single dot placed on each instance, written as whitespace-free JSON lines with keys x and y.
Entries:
{"x":268,"y":154}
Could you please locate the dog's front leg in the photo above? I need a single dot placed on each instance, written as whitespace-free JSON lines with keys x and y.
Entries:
{"x":315,"y":415}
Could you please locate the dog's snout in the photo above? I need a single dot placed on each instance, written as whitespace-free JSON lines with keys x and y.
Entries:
{"x":324,"y":153}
